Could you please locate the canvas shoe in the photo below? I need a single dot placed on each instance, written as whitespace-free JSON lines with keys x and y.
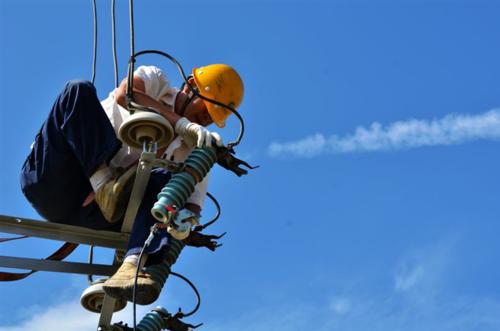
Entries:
{"x":121,"y":285}
{"x":112,"y":197}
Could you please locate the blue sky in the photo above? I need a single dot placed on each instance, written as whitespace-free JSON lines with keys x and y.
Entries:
{"x":376,"y":125}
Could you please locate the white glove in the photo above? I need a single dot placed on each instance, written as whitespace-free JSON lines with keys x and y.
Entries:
{"x":190,"y":130}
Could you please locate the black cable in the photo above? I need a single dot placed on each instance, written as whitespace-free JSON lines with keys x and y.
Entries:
{"x":171,"y":58}
{"x":94,"y":62}
{"x":153,"y":231}
{"x":132,"y":37}
{"x":91,"y":260}
{"x":129,"y":94}
{"x":146,"y":243}
{"x":94,"y":57}
{"x":2,"y":240}
{"x":113,"y":37}
{"x":232,"y":110}
{"x":180,"y":314}
{"x":216,"y":217}
{"x":134,"y":291}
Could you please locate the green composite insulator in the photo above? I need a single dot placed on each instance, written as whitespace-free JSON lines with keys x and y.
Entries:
{"x":160,"y":272}
{"x":175,"y":193}
{"x":153,"y":321}
{"x":181,"y":185}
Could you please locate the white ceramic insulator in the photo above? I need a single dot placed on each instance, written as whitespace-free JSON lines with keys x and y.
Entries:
{"x":93,"y":297}
{"x":148,"y":126}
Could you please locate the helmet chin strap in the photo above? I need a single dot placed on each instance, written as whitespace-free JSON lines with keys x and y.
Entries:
{"x":191,"y":95}
{"x":190,"y":98}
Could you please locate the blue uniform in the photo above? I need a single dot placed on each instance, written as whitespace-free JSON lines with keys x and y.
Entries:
{"x":73,"y":142}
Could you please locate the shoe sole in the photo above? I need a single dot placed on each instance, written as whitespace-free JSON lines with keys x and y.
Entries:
{"x":145,"y":294}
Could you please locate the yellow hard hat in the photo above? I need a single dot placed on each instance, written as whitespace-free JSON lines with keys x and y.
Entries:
{"x":221,"y":83}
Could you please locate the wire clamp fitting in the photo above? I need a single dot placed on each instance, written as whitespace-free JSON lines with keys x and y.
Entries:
{"x":198,"y":239}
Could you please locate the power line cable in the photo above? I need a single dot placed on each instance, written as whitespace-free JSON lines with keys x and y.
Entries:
{"x":94,"y":56}
{"x":113,"y":37}
{"x":132,"y":37}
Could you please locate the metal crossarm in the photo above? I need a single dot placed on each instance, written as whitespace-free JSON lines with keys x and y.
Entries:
{"x":63,"y":232}
{"x":56,"y":266}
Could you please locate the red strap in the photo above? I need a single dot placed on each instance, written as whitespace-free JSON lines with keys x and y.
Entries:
{"x":58,"y":255}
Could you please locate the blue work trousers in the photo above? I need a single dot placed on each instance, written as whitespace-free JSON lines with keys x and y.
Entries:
{"x":74,"y":141}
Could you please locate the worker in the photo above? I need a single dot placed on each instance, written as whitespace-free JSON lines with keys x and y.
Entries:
{"x":79,"y":173}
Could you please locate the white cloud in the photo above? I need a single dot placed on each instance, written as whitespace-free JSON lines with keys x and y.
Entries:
{"x":420,"y":271}
{"x":451,"y":129}
{"x":290,"y":316}
{"x":340,"y":306}
{"x":308,"y":147}
{"x":408,"y":277}
{"x":414,"y":301}
{"x":417,"y":300}
{"x":70,"y":316}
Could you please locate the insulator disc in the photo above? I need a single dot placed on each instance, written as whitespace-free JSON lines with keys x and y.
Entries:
{"x":148,"y":126}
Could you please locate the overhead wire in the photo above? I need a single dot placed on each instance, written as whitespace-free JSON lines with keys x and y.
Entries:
{"x":94,"y":55}
{"x":94,"y":65}
{"x":180,"y":314}
{"x":90,"y":279}
{"x":130,"y":99}
{"x":134,"y":290}
{"x":131,"y":23}
{"x":113,"y":43}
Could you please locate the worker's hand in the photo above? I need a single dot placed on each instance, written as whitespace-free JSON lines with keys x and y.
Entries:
{"x":190,"y":130}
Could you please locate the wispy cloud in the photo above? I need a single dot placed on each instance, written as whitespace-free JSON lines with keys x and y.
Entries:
{"x":75,"y":318}
{"x":415,"y":299}
{"x":68,"y":316}
{"x":340,"y":306}
{"x":419,"y":274}
{"x":413,"y":133}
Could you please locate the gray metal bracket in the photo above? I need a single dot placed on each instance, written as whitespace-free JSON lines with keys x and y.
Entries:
{"x":146,"y":163}
{"x":56,"y":266}
{"x":63,"y":232}
{"x":81,"y":235}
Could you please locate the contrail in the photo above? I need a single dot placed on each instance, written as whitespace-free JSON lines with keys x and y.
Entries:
{"x":450,"y":130}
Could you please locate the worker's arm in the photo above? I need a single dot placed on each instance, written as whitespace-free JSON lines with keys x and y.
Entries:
{"x":182,"y":125}
{"x":143,"y":99}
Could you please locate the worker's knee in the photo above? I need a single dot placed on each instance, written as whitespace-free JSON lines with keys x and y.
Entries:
{"x":78,"y":96}
{"x":80,"y":87}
